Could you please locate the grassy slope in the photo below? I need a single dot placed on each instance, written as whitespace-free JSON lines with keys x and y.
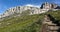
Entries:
{"x":17,"y":23}
{"x":55,"y":14}
{"x":30,"y":23}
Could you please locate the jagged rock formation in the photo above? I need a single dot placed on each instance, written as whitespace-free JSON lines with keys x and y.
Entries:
{"x":47,"y":5}
{"x":20,"y":9}
{"x":58,"y":7}
{"x":33,"y":10}
{"x":49,"y":25}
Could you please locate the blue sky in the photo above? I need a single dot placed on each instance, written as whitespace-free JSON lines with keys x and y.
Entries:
{"x":5,"y":4}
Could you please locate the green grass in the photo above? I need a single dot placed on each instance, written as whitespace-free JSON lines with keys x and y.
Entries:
{"x":18,"y":23}
{"x":55,"y":14}
{"x":29,"y":23}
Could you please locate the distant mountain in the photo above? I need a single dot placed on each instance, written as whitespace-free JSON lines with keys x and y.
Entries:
{"x":33,"y":10}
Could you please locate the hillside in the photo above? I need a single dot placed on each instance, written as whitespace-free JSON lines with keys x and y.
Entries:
{"x":19,"y":23}
{"x":55,"y":14}
{"x":29,"y":23}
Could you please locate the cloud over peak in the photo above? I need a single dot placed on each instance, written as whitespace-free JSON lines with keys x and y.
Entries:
{"x":32,"y":5}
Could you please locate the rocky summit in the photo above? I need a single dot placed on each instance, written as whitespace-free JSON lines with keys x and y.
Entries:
{"x":33,"y":10}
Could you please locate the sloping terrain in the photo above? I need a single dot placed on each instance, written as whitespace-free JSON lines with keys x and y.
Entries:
{"x":19,"y":23}
{"x":55,"y":14}
{"x":29,"y":23}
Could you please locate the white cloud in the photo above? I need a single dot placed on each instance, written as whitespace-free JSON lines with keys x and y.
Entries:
{"x":32,"y":5}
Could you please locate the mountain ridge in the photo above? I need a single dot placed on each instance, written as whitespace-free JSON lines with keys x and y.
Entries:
{"x":33,"y":10}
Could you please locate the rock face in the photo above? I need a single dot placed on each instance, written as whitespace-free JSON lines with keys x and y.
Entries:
{"x":0,"y":16}
{"x":47,"y":5}
{"x":33,"y":10}
{"x":50,"y":26}
{"x":20,"y":9}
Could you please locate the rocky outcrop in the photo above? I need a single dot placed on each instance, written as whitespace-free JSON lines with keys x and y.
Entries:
{"x":33,"y":10}
{"x":50,"y":25}
{"x":47,"y":5}
{"x":20,"y":9}
{"x":58,"y":7}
